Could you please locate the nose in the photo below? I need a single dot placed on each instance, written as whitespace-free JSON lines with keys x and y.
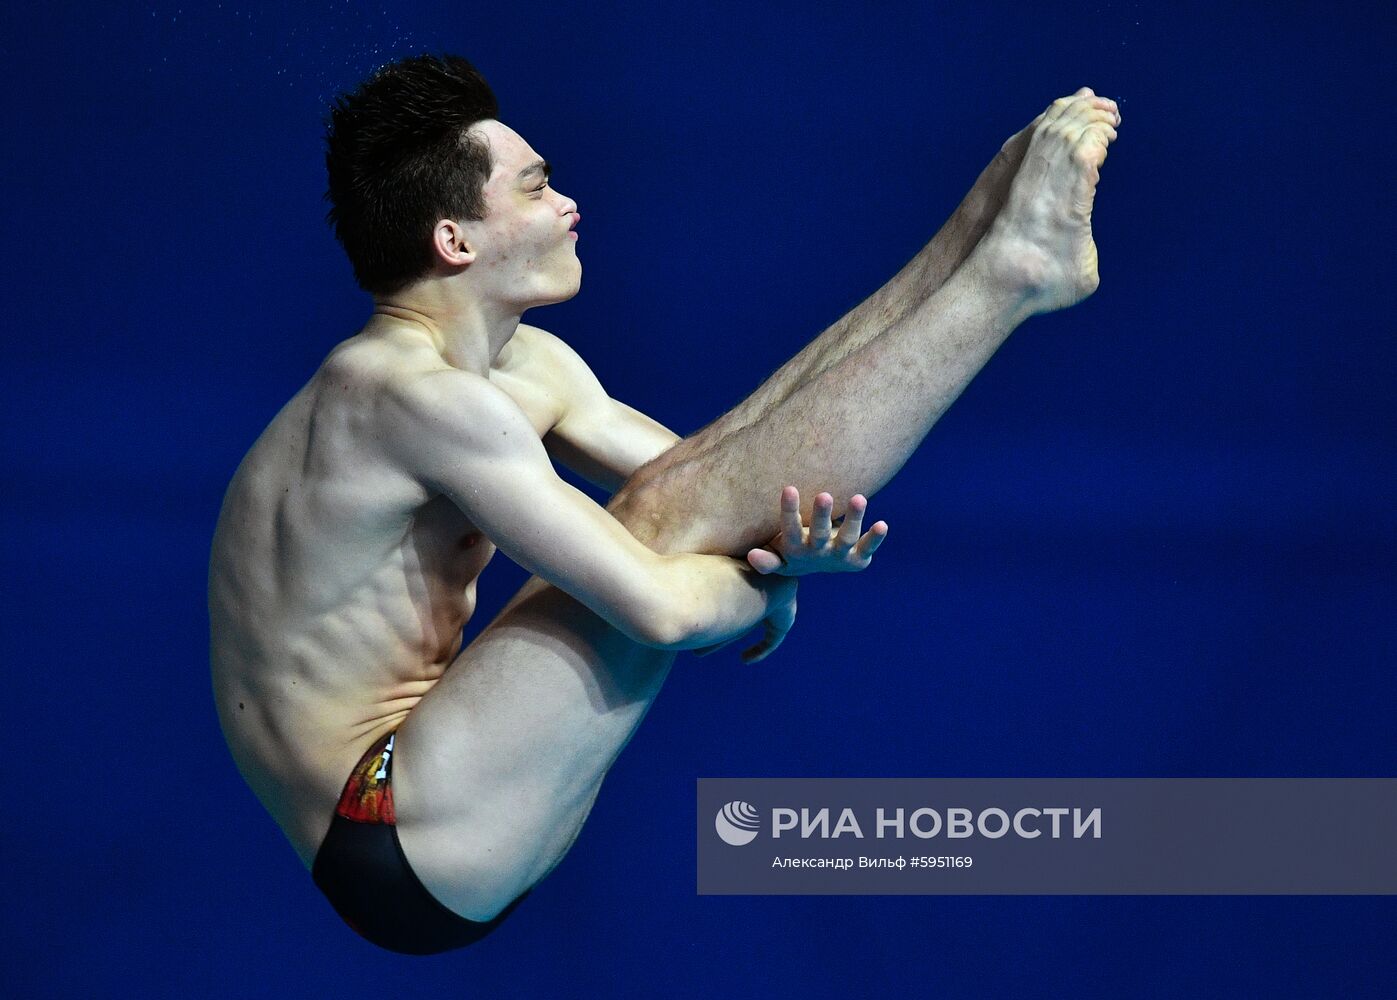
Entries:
{"x":569,"y":211}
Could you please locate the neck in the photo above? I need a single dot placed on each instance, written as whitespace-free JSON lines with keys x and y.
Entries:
{"x":467,"y":331}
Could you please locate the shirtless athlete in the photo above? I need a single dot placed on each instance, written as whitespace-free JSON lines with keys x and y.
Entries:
{"x":345,"y":559}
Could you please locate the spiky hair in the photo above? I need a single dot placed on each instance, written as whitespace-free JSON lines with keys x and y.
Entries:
{"x":401,"y":156}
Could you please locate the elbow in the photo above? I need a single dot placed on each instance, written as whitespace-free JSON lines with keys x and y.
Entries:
{"x":687,"y":603}
{"x":661,"y":618}
{"x":662,"y":627}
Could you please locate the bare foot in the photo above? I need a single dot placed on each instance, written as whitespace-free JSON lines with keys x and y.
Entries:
{"x":1040,"y":242}
{"x":991,"y":189}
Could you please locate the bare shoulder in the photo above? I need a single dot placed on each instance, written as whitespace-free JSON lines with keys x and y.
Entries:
{"x":373,"y":364}
{"x":406,"y":381}
{"x":449,"y":400}
{"x":544,"y":376}
{"x":552,"y":352}
{"x":434,"y":423}
{"x":550,"y":362}
{"x":536,"y":338}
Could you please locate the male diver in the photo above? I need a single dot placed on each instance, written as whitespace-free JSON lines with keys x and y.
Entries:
{"x":429,"y":787}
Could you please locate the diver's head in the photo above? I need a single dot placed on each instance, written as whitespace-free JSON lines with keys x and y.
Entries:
{"x":402,"y":153}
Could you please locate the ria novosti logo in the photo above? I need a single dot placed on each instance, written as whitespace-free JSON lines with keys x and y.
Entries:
{"x":737,"y":823}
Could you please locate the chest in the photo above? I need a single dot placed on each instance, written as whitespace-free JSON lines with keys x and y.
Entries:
{"x":444,"y":547}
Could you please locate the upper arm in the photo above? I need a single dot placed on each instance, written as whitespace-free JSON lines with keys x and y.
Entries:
{"x":600,"y":438}
{"x":463,"y":437}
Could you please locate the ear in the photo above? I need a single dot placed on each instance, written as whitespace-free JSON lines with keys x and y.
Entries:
{"x":451,"y":245}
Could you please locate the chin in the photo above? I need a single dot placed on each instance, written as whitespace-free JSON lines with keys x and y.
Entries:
{"x":560,"y":290}
{"x":571,"y":288}
{"x":560,"y":295}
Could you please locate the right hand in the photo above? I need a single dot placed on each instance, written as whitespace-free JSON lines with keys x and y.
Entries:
{"x":781,"y":616}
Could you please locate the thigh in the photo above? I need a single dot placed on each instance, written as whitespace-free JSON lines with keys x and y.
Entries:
{"x":497,"y":767}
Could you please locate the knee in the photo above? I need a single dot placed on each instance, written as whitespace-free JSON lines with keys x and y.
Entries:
{"x":482,"y":892}
{"x":648,"y":513}
{"x":488,"y":906}
{"x":635,"y":507}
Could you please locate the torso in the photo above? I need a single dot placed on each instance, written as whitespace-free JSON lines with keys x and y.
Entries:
{"x":338,"y":586}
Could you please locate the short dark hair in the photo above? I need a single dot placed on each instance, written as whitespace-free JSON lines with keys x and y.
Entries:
{"x":401,"y":157}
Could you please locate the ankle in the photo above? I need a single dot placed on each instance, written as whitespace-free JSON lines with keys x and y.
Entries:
{"x":1011,"y":269}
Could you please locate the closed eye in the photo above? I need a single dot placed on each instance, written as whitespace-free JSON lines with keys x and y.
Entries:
{"x":539,"y":167}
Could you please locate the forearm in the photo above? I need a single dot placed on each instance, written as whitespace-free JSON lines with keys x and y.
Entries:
{"x":606,"y":443}
{"x":467,"y":440}
{"x":707,"y":601}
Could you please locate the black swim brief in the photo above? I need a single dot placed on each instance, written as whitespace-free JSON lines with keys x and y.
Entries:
{"x":363,"y":872}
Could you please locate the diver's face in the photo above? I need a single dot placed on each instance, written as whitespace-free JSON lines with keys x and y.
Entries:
{"x":525,"y":249}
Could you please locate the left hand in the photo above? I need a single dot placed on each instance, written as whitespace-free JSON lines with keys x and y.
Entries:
{"x":798,"y":550}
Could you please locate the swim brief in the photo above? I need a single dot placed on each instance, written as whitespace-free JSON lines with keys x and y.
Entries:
{"x":364,"y":874}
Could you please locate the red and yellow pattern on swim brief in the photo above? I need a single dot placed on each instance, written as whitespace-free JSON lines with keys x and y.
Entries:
{"x":368,"y":794}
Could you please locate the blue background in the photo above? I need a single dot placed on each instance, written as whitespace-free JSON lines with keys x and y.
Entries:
{"x":1154,"y":538}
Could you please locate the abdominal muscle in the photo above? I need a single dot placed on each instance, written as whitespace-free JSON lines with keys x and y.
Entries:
{"x":338,"y":587}
{"x":337,"y":595}
{"x":300,"y":703}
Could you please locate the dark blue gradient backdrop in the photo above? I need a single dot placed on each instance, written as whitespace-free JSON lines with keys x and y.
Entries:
{"x":1154,"y":538}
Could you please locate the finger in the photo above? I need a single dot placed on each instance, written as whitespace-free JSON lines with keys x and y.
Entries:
{"x":852,"y":527}
{"x":764,"y":561}
{"x":820,"y":528}
{"x":781,"y":620}
{"x":766,"y":647}
{"x":792,"y":528}
{"x":871,"y":541}
{"x":755,"y":654}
